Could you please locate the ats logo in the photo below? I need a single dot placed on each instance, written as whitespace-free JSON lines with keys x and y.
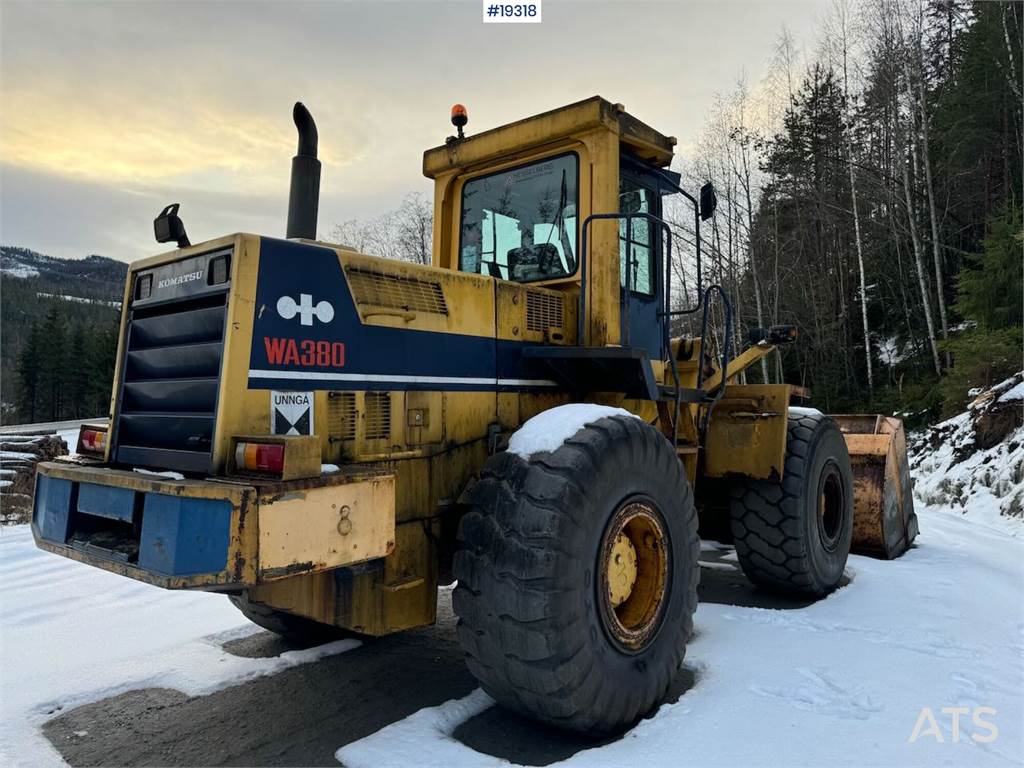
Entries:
{"x":307,"y":353}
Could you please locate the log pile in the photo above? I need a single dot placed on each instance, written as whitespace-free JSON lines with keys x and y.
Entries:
{"x":19,"y":455}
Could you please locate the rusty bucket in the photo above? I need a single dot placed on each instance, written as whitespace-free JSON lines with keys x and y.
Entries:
{"x":884,"y":522}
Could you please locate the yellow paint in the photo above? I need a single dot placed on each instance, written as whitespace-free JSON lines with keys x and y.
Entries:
{"x":326,"y":527}
{"x":415,"y":453}
{"x":747,"y":433}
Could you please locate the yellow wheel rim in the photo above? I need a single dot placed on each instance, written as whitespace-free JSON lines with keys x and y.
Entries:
{"x":634,"y":566}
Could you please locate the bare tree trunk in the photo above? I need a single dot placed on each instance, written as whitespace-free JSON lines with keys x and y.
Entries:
{"x":775,"y":313}
{"x":750,"y":257}
{"x":922,"y":107}
{"x":860,"y":264}
{"x":853,"y":198}
{"x":933,"y":214}
{"x":921,"y":280}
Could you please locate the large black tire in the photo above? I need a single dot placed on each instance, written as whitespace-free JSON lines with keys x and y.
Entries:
{"x":532,"y":595}
{"x":794,"y":537}
{"x":295,"y":629}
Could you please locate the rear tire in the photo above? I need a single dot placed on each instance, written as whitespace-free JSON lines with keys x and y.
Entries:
{"x":547,"y":625}
{"x":295,"y":629}
{"x":794,"y":537}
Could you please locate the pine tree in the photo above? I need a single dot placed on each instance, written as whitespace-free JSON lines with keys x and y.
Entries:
{"x":989,"y":293}
{"x":76,"y":385}
{"x":53,"y":350}
{"x":29,"y":364}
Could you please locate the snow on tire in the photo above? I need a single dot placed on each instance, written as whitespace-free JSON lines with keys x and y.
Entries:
{"x":570,"y":611}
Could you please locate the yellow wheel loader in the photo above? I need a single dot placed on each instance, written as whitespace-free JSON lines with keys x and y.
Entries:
{"x":326,"y":436}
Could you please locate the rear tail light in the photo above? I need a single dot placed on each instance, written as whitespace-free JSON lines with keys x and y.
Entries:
{"x":277,"y":457}
{"x":92,"y":441}
{"x":259,"y":457}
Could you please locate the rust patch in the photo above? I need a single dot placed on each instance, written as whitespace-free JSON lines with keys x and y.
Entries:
{"x":289,"y":570}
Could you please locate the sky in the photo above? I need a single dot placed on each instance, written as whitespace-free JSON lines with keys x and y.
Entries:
{"x":111,"y":110}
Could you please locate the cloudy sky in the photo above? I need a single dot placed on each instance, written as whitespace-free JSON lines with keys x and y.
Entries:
{"x":111,"y":110}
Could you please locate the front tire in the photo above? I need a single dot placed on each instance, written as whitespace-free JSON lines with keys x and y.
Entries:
{"x":577,"y":576}
{"x":793,"y":537}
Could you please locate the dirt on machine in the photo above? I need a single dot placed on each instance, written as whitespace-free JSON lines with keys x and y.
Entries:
{"x":326,"y":437}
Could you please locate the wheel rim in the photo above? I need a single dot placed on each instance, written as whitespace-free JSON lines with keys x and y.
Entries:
{"x":831,"y":507}
{"x":633,"y":562}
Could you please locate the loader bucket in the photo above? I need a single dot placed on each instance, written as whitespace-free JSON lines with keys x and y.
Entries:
{"x":884,"y":523}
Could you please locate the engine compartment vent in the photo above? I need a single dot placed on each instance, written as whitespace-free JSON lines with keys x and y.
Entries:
{"x":377,"y":416}
{"x":380,"y":289}
{"x":544,"y":310}
{"x":341,"y":416}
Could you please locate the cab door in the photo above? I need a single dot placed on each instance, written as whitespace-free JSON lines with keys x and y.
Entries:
{"x":640,"y":244}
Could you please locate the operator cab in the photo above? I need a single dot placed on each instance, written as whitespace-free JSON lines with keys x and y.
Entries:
{"x":513,"y":204}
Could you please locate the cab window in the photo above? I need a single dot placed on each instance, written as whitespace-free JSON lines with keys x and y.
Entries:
{"x":520,"y":224}
{"x":635,"y":238}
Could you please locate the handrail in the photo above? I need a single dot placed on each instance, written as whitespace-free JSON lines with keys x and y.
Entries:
{"x":667,"y":312}
{"x":705,"y":300}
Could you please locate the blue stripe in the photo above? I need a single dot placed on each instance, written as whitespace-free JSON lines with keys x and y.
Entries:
{"x":466,"y":363}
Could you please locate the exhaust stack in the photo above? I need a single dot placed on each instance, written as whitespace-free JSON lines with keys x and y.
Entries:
{"x":304,"y":196}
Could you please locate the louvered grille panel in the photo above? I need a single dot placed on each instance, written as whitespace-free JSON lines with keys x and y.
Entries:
{"x":377,"y":417}
{"x":167,"y":405}
{"x":341,"y":415}
{"x":379,"y":289}
{"x":543,"y":311}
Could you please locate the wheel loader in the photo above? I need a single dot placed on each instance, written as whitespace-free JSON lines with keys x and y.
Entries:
{"x":326,"y":437}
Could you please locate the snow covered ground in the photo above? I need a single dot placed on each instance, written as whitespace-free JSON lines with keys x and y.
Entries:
{"x":72,"y":634}
{"x":919,"y":661}
{"x":842,"y":682}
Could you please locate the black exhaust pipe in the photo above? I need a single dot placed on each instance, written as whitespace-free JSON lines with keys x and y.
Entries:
{"x":304,"y":196}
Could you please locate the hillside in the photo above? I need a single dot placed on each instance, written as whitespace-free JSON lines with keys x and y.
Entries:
{"x":86,"y":293}
{"x":973,"y":463}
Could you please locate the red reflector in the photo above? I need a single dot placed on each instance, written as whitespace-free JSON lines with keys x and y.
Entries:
{"x":259,"y":457}
{"x":93,"y":440}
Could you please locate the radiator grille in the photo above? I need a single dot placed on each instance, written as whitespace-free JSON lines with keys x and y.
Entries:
{"x":167,"y":404}
{"x":377,"y":419}
{"x":341,"y":415}
{"x":543,"y":311}
{"x":380,"y":289}
{"x":169,"y":393}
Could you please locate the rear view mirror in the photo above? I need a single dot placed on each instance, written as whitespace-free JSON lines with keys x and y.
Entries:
{"x":708,"y":201}
{"x":630,"y":202}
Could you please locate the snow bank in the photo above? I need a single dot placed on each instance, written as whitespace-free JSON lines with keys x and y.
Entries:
{"x":549,"y":429}
{"x":839,"y":683}
{"x":403,"y":743}
{"x":974,"y":462}
{"x":73,"y":634}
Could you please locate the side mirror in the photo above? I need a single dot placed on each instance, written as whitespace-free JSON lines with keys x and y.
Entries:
{"x":168,"y":227}
{"x":708,"y":201}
